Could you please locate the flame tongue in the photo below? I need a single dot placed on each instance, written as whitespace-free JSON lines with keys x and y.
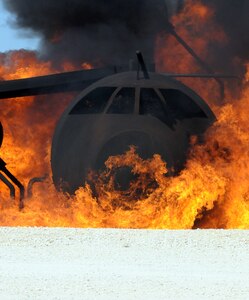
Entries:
{"x":212,"y":191}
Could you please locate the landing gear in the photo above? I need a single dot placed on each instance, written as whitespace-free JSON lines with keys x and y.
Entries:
{"x":8,"y":178}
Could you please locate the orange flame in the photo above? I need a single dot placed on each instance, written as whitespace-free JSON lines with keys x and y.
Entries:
{"x":211,"y":192}
{"x":22,"y":64}
{"x":196,"y":24}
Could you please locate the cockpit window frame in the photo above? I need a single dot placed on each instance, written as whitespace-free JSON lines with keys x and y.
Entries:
{"x":110,"y":101}
{"x":163,"y":101}
{"x":115,"y":93}
{"x":188,"y":98}
{"x":160,"y":98}
{"x":76,"y":109}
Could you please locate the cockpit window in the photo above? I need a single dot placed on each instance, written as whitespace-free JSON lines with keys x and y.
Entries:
{"x":181,"y":106}
{"x":94,"y":102}
{"x":151,"y":104}
{"x":123,"y":102}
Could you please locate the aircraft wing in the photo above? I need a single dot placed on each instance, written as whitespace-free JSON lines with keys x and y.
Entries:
{"x":56,"y":83}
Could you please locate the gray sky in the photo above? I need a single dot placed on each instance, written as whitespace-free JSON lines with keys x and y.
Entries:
{"x":11,"y":38}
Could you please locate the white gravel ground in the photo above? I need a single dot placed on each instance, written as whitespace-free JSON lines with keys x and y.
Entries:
{"x":56,"y":263}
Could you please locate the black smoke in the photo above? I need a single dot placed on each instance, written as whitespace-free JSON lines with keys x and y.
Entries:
{"x":92,"y":30}
{"x":108,"y":32}
{"x":233,"y":17}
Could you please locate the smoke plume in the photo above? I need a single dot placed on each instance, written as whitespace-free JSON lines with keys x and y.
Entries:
{"x":92,"y":30}
{"x":109,"y":32}
{"x":232,"y":16}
